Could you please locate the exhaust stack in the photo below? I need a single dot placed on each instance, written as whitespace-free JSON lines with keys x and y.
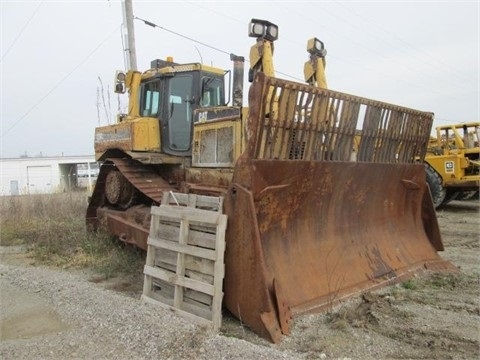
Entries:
{"x":238,"y":70}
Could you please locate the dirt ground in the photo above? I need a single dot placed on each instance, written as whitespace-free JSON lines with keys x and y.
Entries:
{"x":429,"y":317}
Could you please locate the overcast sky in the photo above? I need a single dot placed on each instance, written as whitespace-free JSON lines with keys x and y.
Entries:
{"x":56,"y":56}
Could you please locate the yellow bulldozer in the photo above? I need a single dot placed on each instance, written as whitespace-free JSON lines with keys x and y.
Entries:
{"x":309,"y":224}
{"x":453,"y":163}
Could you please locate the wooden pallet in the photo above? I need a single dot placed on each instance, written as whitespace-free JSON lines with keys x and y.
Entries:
{"x":184,"y":268}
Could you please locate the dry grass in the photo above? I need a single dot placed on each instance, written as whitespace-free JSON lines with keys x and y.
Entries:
{"x":53,"y":228}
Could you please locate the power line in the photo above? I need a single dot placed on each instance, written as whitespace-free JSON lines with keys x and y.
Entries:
{"x":149,"y":23}
{"x":60,"y":82}
{"x":214,"y":11}
{"x":433,"y":61}
{"x":363,"y":46}
{"x":21,"y":32}
{"x":381,"y":55}
{"x":281,"y":4}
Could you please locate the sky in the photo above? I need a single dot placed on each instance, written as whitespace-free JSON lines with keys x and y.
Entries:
{"x":58,"y":58}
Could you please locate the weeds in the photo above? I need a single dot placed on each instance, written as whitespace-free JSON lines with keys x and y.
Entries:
{"x":441,"y":281}
{"x":447,"y":281}
{"x":53,"y":229}
{"x":409,"y":285}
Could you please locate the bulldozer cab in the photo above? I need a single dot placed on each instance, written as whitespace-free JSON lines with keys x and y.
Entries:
{"x":453,"y":162}
{"x":171,"y":93}
{"x":177,"y":94}
{"x":459,"y":137}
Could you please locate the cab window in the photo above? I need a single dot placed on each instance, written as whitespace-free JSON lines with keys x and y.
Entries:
{"x":150,"y":99}
{"x":212,"y":92}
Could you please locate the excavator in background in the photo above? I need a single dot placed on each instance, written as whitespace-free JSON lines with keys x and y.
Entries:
{"x":452,"y":163}
{"x":308,"y":223}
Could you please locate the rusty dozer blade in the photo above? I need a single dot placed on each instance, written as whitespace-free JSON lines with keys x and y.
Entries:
{"x":312,"y":223}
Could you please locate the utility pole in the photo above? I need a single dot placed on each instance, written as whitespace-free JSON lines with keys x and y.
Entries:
{"x":129,"y":35}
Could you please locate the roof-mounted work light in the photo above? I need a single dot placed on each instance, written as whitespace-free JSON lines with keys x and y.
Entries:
{"x":316,"y":47}
{"x":120,"y":79}
{"x":263,"y":29}
{"x":121,"y":76}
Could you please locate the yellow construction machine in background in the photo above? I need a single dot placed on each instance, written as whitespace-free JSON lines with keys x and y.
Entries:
{"x":308,"y":223}
{"x":453,"y":163}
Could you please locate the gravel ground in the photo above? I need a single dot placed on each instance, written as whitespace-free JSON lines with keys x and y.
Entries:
{"x":74,"y":318}
{"x":57,"y":314}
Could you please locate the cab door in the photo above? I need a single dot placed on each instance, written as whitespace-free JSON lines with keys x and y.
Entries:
{"x":180,"y":106}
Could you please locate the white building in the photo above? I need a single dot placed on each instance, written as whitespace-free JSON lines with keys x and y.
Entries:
{"x":31,"y":175}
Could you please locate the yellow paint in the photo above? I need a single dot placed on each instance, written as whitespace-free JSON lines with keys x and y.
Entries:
{"x":145,"y":134}
{"x":453,"y":157}
{"x":182,"y":68}
{"x":141,"y":134}
{"x":262,"y":51}
{"x":314,"y":72}
{"x":133,"y":84}
{"x":116,"y":136}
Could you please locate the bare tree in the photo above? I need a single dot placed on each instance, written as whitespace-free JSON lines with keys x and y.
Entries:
{"x":98,"y":106}
{"x":108,"y":114}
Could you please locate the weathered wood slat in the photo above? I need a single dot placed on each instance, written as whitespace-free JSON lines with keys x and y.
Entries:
{"x":196,"y":236}
{"x":186,"y":249}
{"x":178,"y":279}
{"x":167,"y":290}
{"x":173,"y":212}
{"x":188,"y":315}
{"x":184,"y":269}
{"x":194,"y":264}
{"x":211,"y":203}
